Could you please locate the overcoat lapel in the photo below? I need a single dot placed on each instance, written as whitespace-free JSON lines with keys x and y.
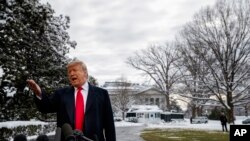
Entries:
{"x":91,"y":98}
{"x":70,"y":107}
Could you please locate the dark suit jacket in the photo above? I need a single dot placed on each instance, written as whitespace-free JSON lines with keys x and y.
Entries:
{"x":223,"y":120}
{"x":98,"y":113}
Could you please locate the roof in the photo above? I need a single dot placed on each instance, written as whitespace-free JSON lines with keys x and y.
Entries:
{"x":144,"y":108}
{"x":133,"y":88}
{"x":148,"y":89}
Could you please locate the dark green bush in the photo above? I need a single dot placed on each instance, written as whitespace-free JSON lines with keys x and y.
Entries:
{"x":215,"y":113}
{"x":29,"y":130}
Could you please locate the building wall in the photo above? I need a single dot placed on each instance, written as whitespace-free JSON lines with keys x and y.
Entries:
{"x":146,"y":98}
{"x":140,"y":95}
{"x":151,"y":98}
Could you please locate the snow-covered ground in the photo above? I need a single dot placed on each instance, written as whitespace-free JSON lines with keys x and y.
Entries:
{"x":183,"y":124}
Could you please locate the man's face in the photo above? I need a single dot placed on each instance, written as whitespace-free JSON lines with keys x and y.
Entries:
{"x":76,"y":75}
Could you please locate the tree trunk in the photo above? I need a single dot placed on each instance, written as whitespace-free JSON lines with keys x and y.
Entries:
{"x":123,"y":115}
{"x":246,"y":110}
{"x":193,"y":108}
{"x":230,"y":115}
{"x":230,"y":112}
{"x":167,"y":101}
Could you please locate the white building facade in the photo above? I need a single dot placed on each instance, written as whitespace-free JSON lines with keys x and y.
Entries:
{"x":140,"y":94}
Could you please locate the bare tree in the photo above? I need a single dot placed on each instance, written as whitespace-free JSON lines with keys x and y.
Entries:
{"x":222,"y":33}
{"x":158,"y":62}
{"x":123,"y":98}
{"x":192,"y":68}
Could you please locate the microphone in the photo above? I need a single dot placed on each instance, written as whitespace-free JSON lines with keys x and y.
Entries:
{"x":58,"y":134}
{"x":77,"y":132}
{"x":79,"y":135}
{"x":68,"y":132}
{"x":20,"y":137}
{"x":42,"y":138}
{"x":76,"y":135}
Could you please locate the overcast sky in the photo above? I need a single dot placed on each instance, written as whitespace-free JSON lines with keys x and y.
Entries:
{"x":107,"y":32}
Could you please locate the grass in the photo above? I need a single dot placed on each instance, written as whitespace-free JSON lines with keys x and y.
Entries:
{"x":184,"y":135}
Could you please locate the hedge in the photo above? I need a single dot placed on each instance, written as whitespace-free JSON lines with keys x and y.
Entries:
{"x":7,"y":134}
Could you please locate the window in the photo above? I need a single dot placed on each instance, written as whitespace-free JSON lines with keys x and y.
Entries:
{"x":131,"y":115}
{"x":146,"y":100}
{"x":151,"y":101}
{"x":157,"y":101}
{"x":157,"y":115}
{"x":151,"y":115}
{"x":140,"y":115}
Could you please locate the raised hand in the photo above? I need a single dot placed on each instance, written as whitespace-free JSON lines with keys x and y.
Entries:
{"x":34,"y":87}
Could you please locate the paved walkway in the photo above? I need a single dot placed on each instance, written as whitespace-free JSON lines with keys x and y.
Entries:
{"x":129,"y":133}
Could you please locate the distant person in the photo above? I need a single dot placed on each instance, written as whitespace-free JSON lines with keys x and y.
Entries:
{"x":191,"y":119}
{"x":83,"y":106}
{"x":20,"y":137}
{"x":223,"y":120}
{"x":42,"y":138}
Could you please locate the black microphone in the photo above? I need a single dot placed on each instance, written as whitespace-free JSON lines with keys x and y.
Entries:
{"x":68,"y":132}
{"x":42,"y":138}
{"x":20,"y":137}
{"x":58,"y":134}
{"x":77,"y":132}
{"x":80,"y":136}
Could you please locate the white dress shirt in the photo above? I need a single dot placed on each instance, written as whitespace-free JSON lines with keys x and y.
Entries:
{"x":85,"y":90}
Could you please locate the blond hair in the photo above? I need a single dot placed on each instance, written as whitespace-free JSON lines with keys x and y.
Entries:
{"x":78,"y":62}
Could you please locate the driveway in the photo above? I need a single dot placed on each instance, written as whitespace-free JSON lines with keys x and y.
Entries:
{"x":129,"y":133}
{"x":123,"y":133}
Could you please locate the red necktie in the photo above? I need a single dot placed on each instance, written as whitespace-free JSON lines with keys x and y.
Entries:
{"x":79,"y":111}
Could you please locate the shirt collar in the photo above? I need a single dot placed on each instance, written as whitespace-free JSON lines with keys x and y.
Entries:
{"x":85,"y":86}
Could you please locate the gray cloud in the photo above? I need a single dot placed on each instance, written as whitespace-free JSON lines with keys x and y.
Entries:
{"x":107,"y":32}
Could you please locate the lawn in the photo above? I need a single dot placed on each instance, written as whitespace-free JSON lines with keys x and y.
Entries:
{"x":184,"y":135}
